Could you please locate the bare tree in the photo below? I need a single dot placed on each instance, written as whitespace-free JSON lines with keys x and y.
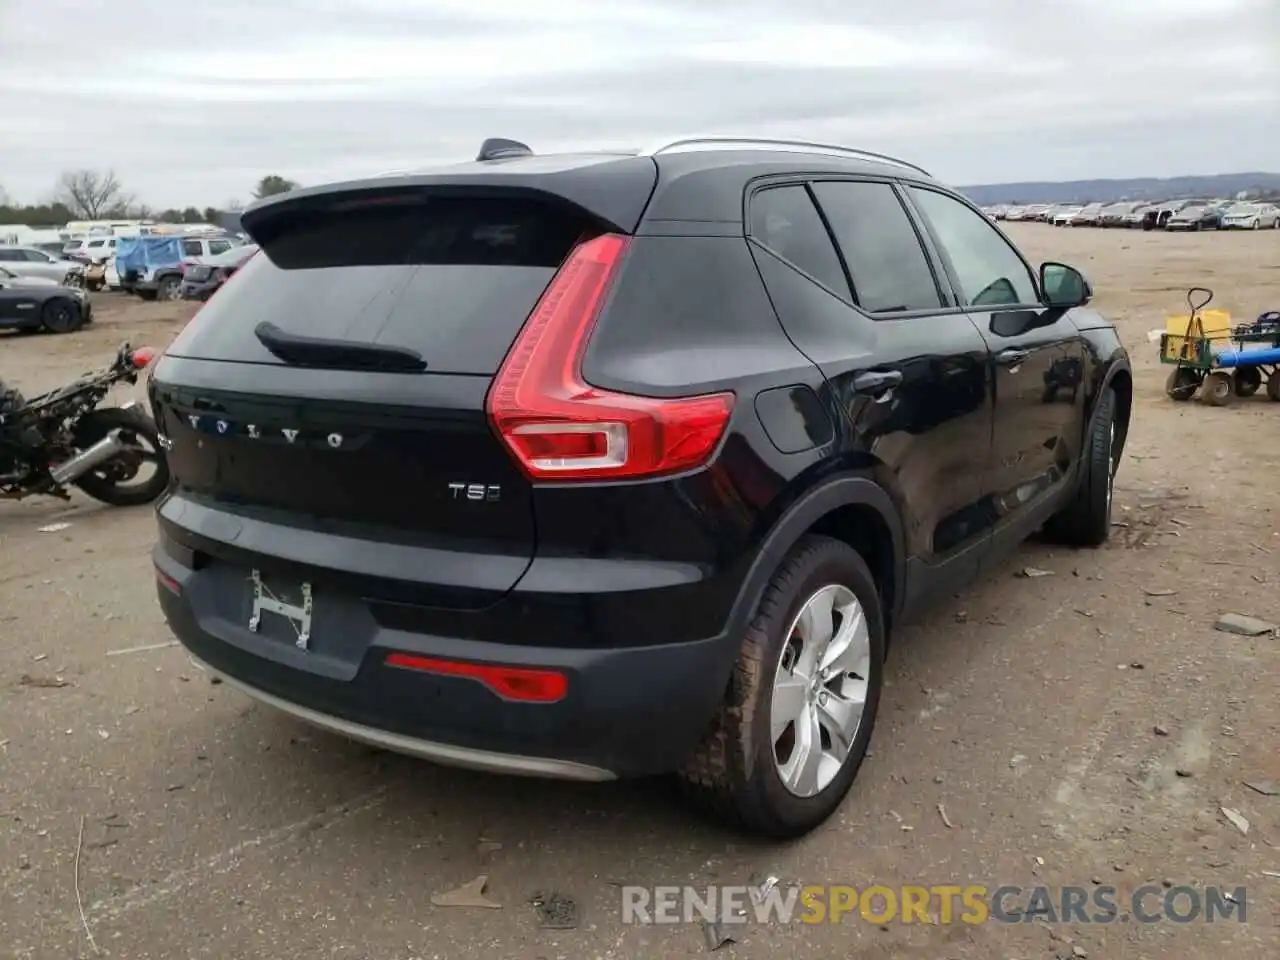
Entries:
{"x":90,"y":193}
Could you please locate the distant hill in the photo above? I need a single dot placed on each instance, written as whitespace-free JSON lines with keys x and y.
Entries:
{"x":1142,"y":188}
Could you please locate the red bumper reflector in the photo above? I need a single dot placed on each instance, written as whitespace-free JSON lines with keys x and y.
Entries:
{"x":166,"y":581}
{"x":524,"y":684}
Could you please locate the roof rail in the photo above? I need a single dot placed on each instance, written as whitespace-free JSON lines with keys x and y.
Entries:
{"x":766,"y":143}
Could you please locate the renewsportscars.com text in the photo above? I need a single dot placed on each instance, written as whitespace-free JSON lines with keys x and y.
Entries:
{"x":943,"y":903}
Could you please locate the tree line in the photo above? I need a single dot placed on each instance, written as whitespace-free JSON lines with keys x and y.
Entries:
{"x":99,"y":195}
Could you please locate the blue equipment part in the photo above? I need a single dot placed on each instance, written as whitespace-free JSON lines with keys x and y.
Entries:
{"x":1247,"y":358}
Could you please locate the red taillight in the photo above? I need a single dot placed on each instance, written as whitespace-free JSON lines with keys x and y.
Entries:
{"x":526,"y":684}
{"x":559,"y":427}
{"x":166,"y":581}
{"x":142,"y":357}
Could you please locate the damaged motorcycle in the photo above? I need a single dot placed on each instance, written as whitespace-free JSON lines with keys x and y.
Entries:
{"x":66,"y":438}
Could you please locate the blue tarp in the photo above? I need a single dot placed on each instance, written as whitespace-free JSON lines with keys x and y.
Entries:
{"x":147,"y":253}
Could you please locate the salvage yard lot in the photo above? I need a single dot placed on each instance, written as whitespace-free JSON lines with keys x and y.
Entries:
{"x":1078,"y":728}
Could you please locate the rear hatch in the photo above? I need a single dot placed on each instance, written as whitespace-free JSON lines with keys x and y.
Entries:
{"x":270,"y":416}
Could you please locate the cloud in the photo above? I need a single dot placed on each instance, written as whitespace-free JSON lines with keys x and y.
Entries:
{"x":192,"y":104}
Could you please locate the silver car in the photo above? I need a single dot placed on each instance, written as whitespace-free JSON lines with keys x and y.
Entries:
{"x":32,"y":262}
{"x":1251,"y":216}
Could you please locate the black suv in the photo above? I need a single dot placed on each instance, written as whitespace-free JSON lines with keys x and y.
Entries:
{"x":616,"y":464}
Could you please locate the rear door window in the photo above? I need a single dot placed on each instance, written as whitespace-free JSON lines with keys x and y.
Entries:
{"x":452,"y":278}
{"x":880,"y":246}
{"x":785,"y":221}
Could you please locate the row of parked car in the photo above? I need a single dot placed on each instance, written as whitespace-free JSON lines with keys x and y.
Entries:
{"x":44,"y":289}
{"x":1186,"y":214}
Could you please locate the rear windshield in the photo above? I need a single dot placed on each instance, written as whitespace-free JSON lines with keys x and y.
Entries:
{"x":451,"y":278}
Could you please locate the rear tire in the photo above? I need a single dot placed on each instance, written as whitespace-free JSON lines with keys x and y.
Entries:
{"x":62,"y":316}
{"x":1086,"y":521}
{"x":94,"y":427}
{"x":736,"y":771}
{"x":1273,"y":386}
{"x":168,"y":289}
{"x":1248,"y":380}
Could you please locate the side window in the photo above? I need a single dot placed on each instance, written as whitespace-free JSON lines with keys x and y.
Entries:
{"x":784,"y":220}
{"x":33,"y":256}
{"x":880,"y":247}
{"x":218,"y":246}
{"x":990,"y":271}
{"x":11,"y":256}
{"x":192,"y":248}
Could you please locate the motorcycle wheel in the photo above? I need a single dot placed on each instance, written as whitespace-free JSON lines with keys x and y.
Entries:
{"x":110,"y":482}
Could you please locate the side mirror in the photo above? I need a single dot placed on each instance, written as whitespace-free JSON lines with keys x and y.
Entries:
{"x":1063,"y":286}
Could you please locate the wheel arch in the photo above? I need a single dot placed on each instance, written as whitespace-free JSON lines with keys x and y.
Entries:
{"x":853,"y":509}
{"x":1120,"y":381}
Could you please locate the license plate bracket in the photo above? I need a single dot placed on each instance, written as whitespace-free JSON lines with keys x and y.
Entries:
{"x":297,"y":615}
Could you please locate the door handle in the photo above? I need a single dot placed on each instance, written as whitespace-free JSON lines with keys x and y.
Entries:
{"x":1008,"y":358}
{"x":876,"y":383}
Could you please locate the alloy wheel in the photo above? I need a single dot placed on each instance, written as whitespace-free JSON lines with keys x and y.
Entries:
{"x":820,"y":690}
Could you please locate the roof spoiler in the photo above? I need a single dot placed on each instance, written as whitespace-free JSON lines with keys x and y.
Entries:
{"x":614,"y":192}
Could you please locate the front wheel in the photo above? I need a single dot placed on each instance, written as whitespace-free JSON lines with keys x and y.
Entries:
{"x":1183,"y":383}
{"x":136,"y":476}
{"x":1218,"y":389}
{"x":1086,"y":520}
{"x":782,"y":752}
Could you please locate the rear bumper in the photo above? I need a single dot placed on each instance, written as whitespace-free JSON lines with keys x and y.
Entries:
{"x":444,"y":753}
{"x":630,"y":711}
{"x":197,"y":289}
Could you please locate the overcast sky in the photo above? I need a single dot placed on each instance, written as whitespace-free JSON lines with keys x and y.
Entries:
{"x":192,"y":103}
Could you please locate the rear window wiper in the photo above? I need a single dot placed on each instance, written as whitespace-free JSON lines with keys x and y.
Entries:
{"x":337,"y":354}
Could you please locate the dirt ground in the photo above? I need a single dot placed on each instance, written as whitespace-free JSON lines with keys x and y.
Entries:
{"x":1079,"y":728}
